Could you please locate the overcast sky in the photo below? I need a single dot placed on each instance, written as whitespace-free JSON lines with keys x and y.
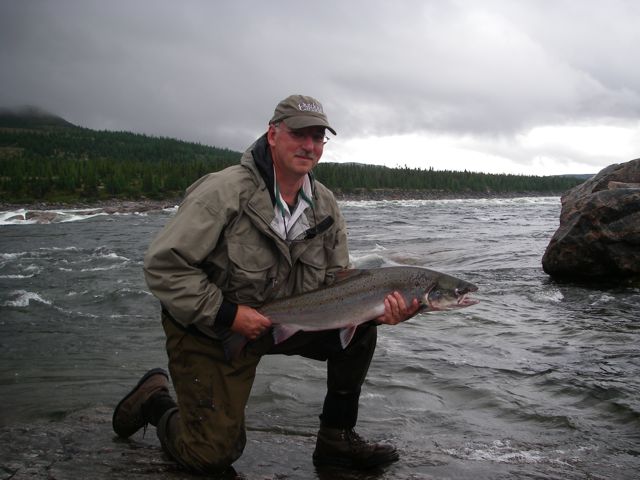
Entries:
{"x":528,"y":86}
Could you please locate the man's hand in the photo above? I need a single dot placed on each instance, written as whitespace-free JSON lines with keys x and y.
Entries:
{"x":249,"y":322}
{"x":396,"y":309}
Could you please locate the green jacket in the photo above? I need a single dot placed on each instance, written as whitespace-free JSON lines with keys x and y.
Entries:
{"x":219,"y":246}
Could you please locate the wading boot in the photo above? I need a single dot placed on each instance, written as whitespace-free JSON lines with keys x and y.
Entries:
{"x":130,"y":415}
{"x":345,"y":448}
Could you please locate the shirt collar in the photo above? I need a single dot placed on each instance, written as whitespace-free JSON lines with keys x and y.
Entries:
{"x":305,"y":194}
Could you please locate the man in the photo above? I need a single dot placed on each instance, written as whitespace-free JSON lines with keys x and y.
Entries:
{"x":253,"y":232}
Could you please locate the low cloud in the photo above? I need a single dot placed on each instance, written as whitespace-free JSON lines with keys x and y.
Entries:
{"x":496,"y":72}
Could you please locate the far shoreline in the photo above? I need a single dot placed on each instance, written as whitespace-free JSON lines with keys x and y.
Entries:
{"x":115,"y":205}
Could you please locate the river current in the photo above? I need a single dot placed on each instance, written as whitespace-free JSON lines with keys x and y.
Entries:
{"x":539,"y":380}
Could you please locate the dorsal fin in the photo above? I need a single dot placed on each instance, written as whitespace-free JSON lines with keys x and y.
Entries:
{"x":347,"y":273}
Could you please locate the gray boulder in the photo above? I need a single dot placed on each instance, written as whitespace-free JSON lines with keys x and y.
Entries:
{"x":599,"y":233}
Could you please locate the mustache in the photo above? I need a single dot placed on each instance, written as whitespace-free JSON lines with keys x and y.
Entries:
{"x":307,"y":155}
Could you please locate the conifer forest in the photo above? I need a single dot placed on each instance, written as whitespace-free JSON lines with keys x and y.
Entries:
{"x":52,"y":160}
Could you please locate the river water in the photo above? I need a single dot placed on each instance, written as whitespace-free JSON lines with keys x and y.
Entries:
{"x":539,"y":380}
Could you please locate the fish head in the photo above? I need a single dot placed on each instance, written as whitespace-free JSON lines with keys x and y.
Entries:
{"x":448,"y":293}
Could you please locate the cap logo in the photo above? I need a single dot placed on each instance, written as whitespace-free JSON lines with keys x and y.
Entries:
{"x":310,"y":107}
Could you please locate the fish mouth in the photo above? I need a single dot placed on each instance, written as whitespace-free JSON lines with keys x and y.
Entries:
{"x":462,"y":295}
{"x":464,"y":300}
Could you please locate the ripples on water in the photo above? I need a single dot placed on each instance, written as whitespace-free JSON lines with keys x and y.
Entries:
{"x":539,"y":380}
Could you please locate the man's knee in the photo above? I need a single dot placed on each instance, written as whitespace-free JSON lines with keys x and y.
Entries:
{"x":200,"y":448}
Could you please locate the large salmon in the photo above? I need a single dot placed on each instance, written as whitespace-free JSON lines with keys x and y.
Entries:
{"x":356,"y":297}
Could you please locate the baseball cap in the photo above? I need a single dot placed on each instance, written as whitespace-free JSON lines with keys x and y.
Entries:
{"x":300,"y":111}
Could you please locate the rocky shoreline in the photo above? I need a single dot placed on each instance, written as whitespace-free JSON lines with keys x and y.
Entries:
{"x":112,"y":206}
{"x":107,"y":206}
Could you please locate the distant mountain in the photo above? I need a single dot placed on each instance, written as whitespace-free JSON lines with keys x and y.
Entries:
{"x":43,"y":157}
{"x":30,"y":117}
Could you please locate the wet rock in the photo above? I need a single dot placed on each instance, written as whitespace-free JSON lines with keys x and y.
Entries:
{"x":128,"y":207}
{"x":80,"y":446}
{"x":83,"y":446}
{"x":599,"y":233}
{"x":40,"y":216}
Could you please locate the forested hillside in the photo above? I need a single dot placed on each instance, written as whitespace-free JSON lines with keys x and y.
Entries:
{"x":45,"y":158}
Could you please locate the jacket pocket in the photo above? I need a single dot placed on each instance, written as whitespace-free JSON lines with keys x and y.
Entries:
{"x":312,"y":267}
{"x":252,"y":271}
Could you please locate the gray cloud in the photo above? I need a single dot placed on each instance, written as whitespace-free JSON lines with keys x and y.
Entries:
{"x":213,"y":71}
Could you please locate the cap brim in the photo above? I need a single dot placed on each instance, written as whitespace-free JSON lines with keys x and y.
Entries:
{"x":307,"y":121}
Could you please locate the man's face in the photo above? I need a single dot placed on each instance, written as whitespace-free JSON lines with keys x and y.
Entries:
{"x":295,"y":151}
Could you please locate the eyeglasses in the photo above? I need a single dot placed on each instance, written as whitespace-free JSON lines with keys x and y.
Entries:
{"x":318,"y":138}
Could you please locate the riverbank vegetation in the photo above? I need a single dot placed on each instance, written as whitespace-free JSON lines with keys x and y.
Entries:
{"x":43,"y":158}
